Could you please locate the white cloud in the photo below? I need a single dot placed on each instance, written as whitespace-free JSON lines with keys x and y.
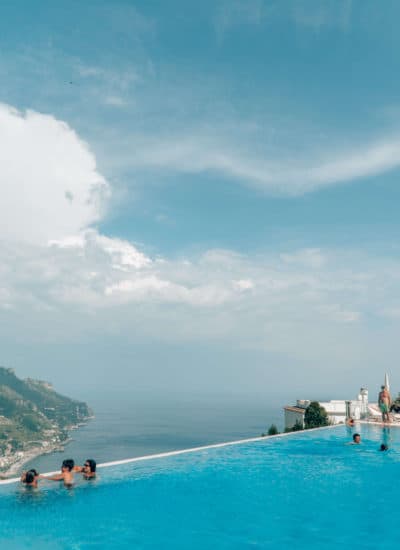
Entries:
{"x":96,"y":272}
{"x":65,"y":278}
{"x":50,"y":186}
{"x":274,"y":172}
{"x":243,"y":284}
{"x":121,"y":254}
{"x":293,"y":305}
{"x":112,"y":271}
{"x":307,"y":257}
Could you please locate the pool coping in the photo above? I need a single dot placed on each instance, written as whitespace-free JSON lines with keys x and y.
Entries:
{"x":185,"y":451}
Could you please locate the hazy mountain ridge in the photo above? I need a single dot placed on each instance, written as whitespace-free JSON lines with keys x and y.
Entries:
{"x":33,"y":417}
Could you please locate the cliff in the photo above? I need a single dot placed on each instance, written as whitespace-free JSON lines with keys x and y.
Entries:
{"x":33,"y":417}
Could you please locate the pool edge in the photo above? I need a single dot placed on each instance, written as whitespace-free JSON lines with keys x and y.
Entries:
{"x":185,"y":451}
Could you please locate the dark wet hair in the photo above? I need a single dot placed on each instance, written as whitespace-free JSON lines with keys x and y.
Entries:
{"x":355,"y":435}
{"x":29,"y":477}
{"x":68,"y":463}
{"x":92,"y":464}
{"x":383,"y":447}
{"x":35,"y":472}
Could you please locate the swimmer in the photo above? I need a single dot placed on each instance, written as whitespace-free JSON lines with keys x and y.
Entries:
{"x":350,"y":422}
{"x":383,"y":447}
{"x":66,"y":475}
{"x":30,"y":478}
{"x":356,"y":439}
{"x":88,"y":470}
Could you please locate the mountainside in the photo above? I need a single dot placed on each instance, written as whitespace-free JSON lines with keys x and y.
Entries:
{"x":33,"y":417}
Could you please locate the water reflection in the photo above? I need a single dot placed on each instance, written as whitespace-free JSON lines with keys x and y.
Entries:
{"x":386,"y":439}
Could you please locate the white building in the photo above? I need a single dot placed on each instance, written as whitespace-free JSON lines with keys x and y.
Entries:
{"x":294,"y":415}
{"x":337,"y":409}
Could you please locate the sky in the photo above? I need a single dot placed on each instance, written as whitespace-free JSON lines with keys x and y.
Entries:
{"x":201,"y":197}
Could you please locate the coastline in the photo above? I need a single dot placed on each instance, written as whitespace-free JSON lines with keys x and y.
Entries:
{"x":29,"y":455}
{"x":47,"y":447}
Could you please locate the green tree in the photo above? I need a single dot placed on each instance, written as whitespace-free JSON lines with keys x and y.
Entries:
{"x":298,"y":426}
{"x":273,"y":430}
{"x":315,"y":416}
{"x":31,"y":422}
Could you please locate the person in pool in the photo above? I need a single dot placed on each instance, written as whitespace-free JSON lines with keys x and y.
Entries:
{"x":30,"y":478}
{"x":88,"y":470}
{"x":356,"y":439}
{"x":66,"y":475}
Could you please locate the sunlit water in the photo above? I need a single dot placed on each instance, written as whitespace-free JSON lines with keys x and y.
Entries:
{"x":308,"y":490}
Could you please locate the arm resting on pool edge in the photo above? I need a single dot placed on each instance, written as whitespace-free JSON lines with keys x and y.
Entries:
{"x":57,"y":477}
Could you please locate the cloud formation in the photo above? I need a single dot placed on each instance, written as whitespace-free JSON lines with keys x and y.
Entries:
{"x":92,"y":272}
{"x":52,"y":196}
{"x":311,"y":308}
{"x":49,"y":181}
{"x":64,"y":279}
{"x":276,"y":172}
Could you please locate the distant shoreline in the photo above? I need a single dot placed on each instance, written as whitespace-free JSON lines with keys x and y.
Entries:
{"x":35,"y":452}
{"x":28,"y":456}
{"x":35,"y":420}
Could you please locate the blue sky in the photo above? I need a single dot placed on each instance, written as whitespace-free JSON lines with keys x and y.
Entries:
{"x":214,"y":181}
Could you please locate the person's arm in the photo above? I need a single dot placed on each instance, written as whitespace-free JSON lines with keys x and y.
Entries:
{"x":57,"y":477}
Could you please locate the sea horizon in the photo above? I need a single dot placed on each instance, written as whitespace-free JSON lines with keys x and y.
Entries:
{"x":123,"y":428}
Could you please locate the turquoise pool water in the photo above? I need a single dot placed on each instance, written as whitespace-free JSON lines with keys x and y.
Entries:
{"x":308,"y":490}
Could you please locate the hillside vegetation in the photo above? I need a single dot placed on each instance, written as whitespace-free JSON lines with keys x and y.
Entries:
{"x":32,"y":414}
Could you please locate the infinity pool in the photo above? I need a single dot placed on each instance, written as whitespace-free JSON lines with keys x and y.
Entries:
{"x":307,"y":490}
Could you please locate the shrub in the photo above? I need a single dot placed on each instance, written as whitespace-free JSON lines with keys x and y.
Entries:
{"x":273,"y":430}
{"x":297,"y":426}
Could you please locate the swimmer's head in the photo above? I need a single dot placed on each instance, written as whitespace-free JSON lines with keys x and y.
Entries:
{"x":356,"y":438}
{"x":383,"y":447}
{"x":29,"y":477}
{"x":68,"y":464}
{"x":90,"y":464}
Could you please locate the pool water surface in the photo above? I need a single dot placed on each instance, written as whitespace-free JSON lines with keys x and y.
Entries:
{"x":306,"y":490}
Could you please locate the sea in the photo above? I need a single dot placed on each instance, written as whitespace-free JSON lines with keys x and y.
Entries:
{"x":127,"y":426}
